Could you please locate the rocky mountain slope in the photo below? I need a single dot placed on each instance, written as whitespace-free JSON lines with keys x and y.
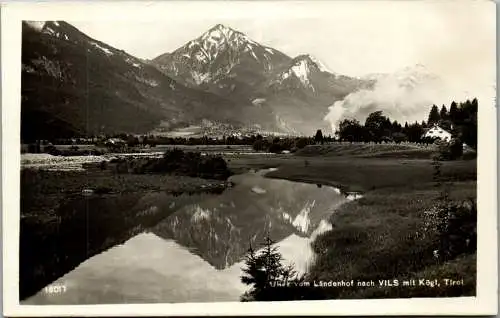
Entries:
{"x":222,"y":60}
{"x":75,"y":85}
{"x":292,"y":92}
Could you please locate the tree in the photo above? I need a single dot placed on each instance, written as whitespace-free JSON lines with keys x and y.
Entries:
{"x":318,"y":138}
{"x":463,"y":121}
{"x":350,"y":130}
{"x":132,"y":141}
{"x":301,"y":143}
{"x":396,"y":127}
{"x":258,"y":145}
{"x":276,"y":147}
{"x":433,"y":116}
{"x":399,"y":137}
{"x":414,"y":132}
{"x":453,"y":114}
{"x":377,"y":126}
{"x":264,"y":271}
{"x":474,"y":104}
{"x":443,"y":113}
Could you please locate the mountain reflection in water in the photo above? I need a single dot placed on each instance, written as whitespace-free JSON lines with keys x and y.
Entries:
{"x":196,"y":253}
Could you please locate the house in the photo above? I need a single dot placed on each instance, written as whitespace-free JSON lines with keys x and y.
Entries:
{"x":437,"y":132}
{"x":115,"y":143}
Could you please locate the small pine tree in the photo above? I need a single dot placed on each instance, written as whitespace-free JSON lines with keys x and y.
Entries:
{"x":318,"y":138}
{"x":263,"y":270}
{"x":433,"y":116}
{"x":453,"y":112}
{"x":443,"y":113}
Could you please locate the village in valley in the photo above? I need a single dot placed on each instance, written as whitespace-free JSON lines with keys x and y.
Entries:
{"x":439,"y":127}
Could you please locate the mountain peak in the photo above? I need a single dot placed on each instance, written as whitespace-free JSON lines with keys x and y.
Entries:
{"x":37,"y":25}
{"x":303,"y":56}
{"x":300,"y":68}
{"x":220,"y":26}
{"x":212,"y":56}
{"x":61,"y":30}
{"x":308,"y":58}
{"x":219,"y":32}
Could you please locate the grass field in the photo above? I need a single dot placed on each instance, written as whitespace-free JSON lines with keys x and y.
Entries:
{"x":356,"y":173}
{"x":393,"y":150}
{"x":379,"y":237}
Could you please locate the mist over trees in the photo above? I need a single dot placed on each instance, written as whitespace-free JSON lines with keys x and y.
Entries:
{"x":460,"y":120}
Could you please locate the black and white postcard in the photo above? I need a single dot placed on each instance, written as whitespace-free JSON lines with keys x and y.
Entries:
{"x":249,"y":157}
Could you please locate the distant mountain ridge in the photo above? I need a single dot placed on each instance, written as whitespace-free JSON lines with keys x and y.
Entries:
{"x":295,"y":92}
{"x":219,"y":53}
{"x":73,"y":85}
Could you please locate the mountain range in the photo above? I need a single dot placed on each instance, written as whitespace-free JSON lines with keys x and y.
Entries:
{"x":74,"y":85}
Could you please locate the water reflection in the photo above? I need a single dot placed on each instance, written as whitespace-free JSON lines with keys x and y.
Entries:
{"x":220,"y":228}
{"x":195,"y":253}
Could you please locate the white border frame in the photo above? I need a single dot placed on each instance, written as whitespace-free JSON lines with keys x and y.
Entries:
{"x":12,"y":15}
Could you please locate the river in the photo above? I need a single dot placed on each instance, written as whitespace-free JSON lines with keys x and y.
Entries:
{"x":195,"y":254}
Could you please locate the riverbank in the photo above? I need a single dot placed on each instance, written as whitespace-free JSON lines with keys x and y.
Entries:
{"x":354,"y":173}
{"x":69,"y":216}
{"x":383,"y":236}
{"x":42,"y":191}
{"x":380,"y":236}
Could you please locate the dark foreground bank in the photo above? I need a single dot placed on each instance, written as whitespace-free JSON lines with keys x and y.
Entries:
{"x":69,"y":216}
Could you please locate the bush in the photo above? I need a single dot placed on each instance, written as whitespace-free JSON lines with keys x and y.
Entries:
{"x":301,"y":143}
{"x":275,"y":148}
{"x":34,"y":148}
{"x":469,"y":155}
{"x":102,"y":190}
{"x":191,"y":164}
{"x":453,"y":224}
{"x":456,"y":148}
{"x":258,"y":145}
{"x":452,"y":150}
{"x":103,"y":165}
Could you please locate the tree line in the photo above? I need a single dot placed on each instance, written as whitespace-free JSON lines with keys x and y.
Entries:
{"x":460,"y":120}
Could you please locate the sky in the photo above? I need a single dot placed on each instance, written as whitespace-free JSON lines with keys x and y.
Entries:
{"x":455,"y":39}
{"x":452,"y":39}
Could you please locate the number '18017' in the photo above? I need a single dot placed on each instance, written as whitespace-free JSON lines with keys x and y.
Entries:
{"x":55,"y":289}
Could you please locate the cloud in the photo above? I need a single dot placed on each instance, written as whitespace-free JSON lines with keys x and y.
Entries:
{"x":406,"y":95}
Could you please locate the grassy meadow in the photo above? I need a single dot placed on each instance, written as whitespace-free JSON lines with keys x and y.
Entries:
{"x":383,"y":235}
